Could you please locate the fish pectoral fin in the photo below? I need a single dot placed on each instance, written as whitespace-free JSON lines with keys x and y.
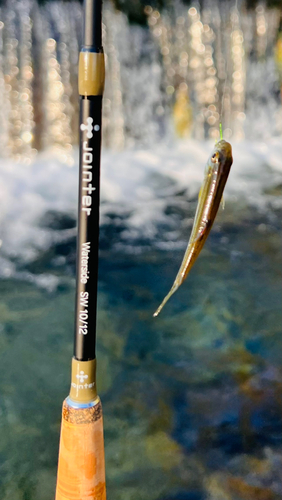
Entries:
{"x":208,"y":172}
{"x":222,"y":203}
{"x":201,"y":232}
{"x":200,"y":193}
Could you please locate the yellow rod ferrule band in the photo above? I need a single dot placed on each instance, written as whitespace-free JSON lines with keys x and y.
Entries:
{"x":83,"y":381}
{"x":91,"y":74}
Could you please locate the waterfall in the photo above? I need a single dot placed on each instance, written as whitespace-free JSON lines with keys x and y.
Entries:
{"x":188,"y":70}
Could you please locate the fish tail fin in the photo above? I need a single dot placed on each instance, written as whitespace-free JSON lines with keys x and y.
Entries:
{"x":173,"y":289}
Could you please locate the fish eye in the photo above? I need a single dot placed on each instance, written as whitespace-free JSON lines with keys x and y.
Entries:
{"x":214,"y":158}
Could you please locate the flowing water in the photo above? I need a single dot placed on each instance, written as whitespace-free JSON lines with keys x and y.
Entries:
{"x":190,"y":69}
{"x":192,"y":399}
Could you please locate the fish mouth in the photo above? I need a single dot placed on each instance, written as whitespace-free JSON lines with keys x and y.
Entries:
{"x":224,"y":147}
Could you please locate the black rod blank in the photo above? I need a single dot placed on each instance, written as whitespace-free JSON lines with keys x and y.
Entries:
{"x":93,"y":24}
{"x":88,"y":228}
{"x":91,"y":71}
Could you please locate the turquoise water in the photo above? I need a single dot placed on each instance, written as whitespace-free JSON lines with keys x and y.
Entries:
{"x":192,"y":399}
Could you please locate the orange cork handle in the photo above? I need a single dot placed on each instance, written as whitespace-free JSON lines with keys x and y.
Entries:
{"x":81,"y":469}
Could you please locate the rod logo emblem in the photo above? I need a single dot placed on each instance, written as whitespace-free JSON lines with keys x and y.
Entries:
{"x":88,"y":127}
{"x":81,"y":376}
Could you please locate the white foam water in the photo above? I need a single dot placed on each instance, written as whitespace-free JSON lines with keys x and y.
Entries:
{"x":139,"y":183}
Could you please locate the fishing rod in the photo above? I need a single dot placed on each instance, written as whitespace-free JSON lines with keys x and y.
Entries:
{"x":81,"y":467}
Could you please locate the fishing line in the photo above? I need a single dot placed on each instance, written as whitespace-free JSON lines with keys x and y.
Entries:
{"x":220,"y":131}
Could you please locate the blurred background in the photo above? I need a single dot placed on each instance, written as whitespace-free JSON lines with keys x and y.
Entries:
{"x":192,"y":399}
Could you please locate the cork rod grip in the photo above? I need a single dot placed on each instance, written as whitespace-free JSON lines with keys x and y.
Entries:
{"x":81,"y":469}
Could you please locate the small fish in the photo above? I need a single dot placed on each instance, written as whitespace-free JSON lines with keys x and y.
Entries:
{"x":210,"y":197}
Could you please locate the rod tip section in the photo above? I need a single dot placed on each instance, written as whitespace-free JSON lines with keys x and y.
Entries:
{"x":93,"y":23}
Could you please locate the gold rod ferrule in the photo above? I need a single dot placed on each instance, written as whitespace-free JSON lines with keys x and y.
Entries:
{"x":83,"y":381}
{"x":91,"y":74}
